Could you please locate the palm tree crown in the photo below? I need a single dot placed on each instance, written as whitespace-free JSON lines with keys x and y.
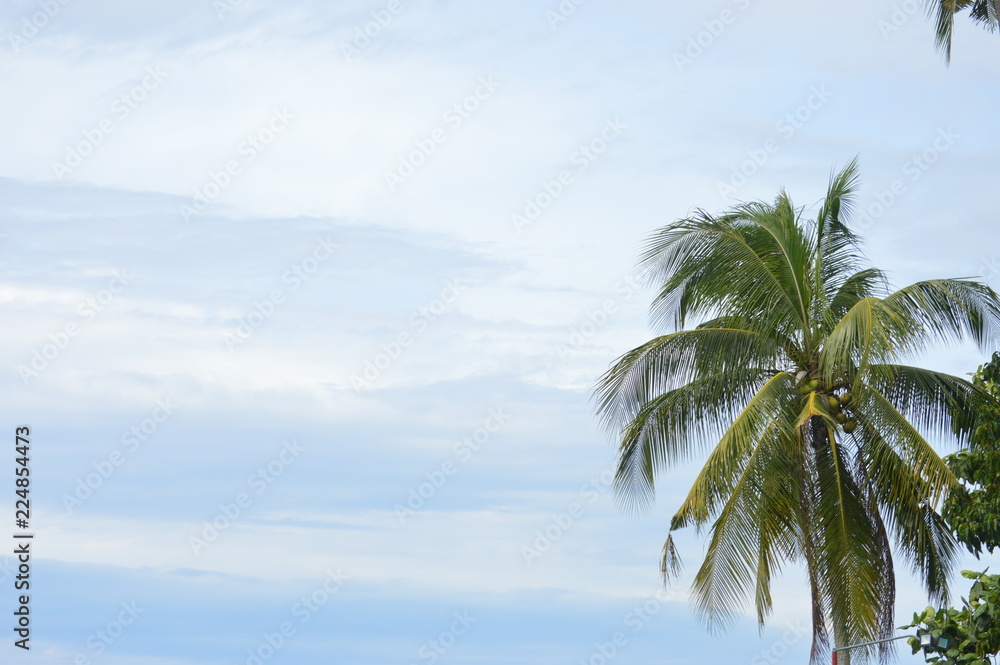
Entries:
{"x":816,"y":436}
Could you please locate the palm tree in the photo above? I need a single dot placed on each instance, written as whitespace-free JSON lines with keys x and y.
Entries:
{"x":817,"y":436}
{"x":983,"y":12}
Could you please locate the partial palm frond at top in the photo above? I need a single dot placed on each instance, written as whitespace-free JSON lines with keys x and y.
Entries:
{"x":983,"y":12}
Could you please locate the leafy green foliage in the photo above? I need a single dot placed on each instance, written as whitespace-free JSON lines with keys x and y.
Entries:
{"x":972,"y":509}
{"x":973,"y":632}
{"x":792,"y":382}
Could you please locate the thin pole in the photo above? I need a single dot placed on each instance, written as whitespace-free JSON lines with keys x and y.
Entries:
{"x":866,"y":644}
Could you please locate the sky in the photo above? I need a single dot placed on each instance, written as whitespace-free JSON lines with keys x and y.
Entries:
{"x":305,"y":302}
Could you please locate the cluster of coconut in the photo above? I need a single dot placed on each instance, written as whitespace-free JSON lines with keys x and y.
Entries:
{"x":837,"y":404}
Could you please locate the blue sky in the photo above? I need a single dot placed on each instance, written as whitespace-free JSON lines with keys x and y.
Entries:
{"x":344,"y":295}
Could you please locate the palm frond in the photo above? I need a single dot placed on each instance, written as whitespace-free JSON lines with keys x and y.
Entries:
{"x":768,"y":411}
{"x":880,"y":415}
{"x":668,"y":362}
{"x":704,"y":260}
{"x":870,"y":332}
{"x":674,"y":426}
{"x":903,"y":495}
{"x":754,"y":533}
{"x":947,"y":310}
{"x":865,"y":283}
{"x":837,"y":247}
{"x":942,"y":405}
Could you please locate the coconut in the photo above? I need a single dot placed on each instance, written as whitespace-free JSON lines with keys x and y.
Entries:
{"x":845,"y":399}
{"x":840,"y":418}
{"x":814,"y":384}
{"x":834,"y":404}
{"x":849,"y":426}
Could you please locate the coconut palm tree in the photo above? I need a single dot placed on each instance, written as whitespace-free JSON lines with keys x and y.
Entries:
{"x":816,"y":435}
{"x":983,"y":12}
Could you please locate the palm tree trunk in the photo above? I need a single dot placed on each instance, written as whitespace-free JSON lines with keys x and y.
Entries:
{"x":816,"y":438}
